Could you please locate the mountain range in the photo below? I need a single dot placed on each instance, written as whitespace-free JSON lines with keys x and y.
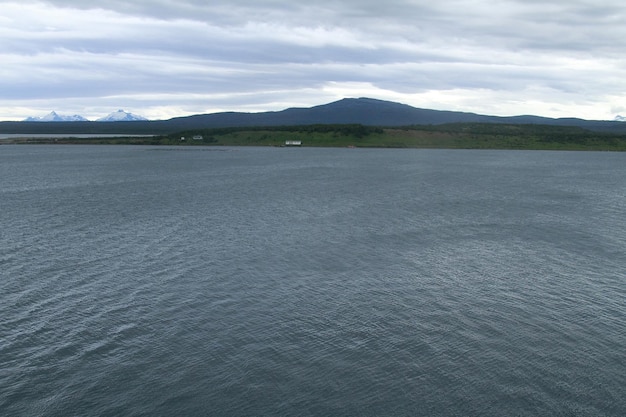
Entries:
{"x":365,"y":111}
{"x":118,"y":116}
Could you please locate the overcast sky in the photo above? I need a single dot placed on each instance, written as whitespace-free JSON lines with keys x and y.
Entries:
{"x":167,"y":58}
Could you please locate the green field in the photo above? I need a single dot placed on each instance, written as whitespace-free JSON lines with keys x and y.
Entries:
{"x":450,"y":136}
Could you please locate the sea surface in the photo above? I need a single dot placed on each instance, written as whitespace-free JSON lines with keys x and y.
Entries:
{"x":156,"y":281}
{"x":65,"y":135}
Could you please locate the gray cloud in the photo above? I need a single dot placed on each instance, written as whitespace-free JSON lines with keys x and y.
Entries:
{"x":166,"y":58}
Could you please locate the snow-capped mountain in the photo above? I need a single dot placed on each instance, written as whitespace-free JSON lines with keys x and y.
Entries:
{"x":121,"y":116}
{"x":619,"y":118}
{"x":54,"y":117}
{"x":118,"y":116}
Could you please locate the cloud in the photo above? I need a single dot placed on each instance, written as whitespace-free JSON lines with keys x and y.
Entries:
{"x":561,"y":58}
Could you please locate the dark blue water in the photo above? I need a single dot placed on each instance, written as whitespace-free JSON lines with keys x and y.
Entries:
{"x":145,"y":281}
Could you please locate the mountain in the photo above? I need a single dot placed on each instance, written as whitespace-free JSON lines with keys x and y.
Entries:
{"x":365,"y":111}
{"x":54,"y":117}
{"x":372,"y":112}
{"x":619,"y":118}
{"x":121,"y":116}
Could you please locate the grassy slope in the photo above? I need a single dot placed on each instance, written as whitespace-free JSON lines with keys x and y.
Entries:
{"x":455,"y":136}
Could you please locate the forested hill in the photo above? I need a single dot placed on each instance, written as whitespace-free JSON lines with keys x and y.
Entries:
{"x":365,"y":111}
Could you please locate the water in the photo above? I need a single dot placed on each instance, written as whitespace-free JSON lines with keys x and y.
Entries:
{"x":145,"y":281}
{"x":66,"y":135}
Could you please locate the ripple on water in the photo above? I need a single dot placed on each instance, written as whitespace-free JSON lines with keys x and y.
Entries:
{"x":317,"y":282}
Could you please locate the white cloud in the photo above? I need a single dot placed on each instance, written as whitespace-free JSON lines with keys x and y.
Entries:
{"x":167,"y":58}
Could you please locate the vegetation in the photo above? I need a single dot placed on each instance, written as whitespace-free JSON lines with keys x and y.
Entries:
{"x":451,"y":136}
{"x":507,"y":136}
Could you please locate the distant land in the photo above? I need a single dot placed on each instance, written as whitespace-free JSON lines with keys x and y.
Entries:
{"x":365,"y":111}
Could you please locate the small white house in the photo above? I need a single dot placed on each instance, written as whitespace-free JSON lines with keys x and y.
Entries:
{"x":293,"y":143}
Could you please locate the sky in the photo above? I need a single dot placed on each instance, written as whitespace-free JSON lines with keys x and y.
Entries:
{"x":167,"y":58}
